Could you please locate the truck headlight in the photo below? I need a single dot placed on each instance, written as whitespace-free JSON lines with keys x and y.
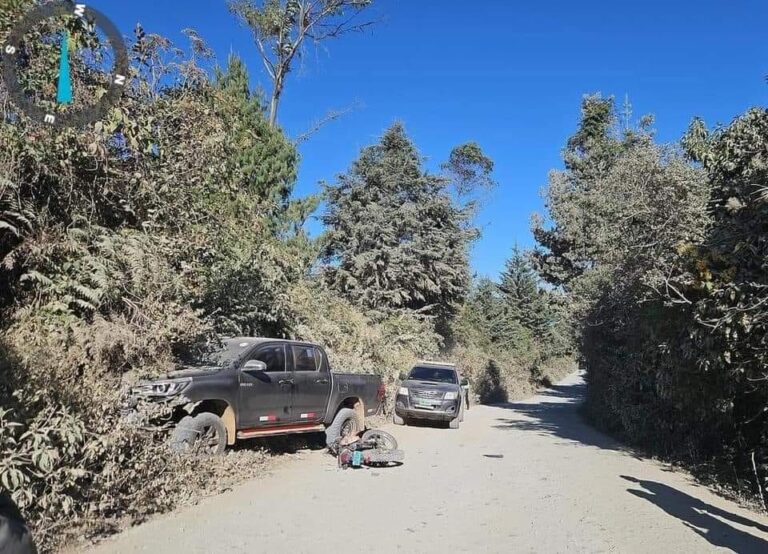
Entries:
{"x":451,"y":396}
{"x":162,"y":388}
{"x":403,"y":391}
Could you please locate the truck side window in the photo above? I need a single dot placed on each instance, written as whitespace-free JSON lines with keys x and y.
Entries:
{"x":273,"y":356}
{"x":304,"y":358}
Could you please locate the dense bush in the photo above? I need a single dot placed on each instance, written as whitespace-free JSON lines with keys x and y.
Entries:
{"x":121,"y":246}
{"x":662,"y":257}
{"x":359,"y":342}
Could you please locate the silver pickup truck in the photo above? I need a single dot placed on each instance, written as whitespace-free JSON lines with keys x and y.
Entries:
{"x":432,"y":391}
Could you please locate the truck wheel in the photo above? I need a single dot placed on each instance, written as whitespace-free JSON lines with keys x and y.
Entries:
{"x":344,"y":425}
{"x":454,"y":423}
{"x":182,"y":436}
{"x":205,"y":431}
{"x":397,"y":420}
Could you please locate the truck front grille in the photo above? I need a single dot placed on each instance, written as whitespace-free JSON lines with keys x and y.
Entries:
{"x":428,"y":394}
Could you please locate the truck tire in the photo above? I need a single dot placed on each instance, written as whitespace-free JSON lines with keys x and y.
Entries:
{"x":454,"y":423}
{"x":344,"y":424}
{"x":397,"y":420}
{"x":182,"y":435}
{"x":205,"y":431}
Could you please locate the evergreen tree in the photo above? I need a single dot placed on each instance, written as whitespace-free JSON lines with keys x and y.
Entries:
{"x":589,"y":153}
{"x":395,"y":237}
{"x":573,"y":195}
{"x":262,"y":161}
{"x":522,"y":299}
{"x":489,"y":315}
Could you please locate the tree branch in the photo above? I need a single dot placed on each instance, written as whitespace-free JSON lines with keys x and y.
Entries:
{"x":332,"y":115}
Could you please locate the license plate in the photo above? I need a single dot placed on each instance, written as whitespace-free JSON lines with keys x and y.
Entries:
{"x":424,"y":404}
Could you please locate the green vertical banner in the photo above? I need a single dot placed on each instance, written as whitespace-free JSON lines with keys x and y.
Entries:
{"x":65,"y":83}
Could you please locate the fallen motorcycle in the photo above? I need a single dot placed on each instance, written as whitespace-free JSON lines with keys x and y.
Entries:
{"x":375,"y":448}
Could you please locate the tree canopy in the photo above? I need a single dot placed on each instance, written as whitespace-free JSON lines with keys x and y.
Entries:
{"x":396,"y":239}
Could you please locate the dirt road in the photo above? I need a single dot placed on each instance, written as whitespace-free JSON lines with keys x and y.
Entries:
{"x":526,"y":477}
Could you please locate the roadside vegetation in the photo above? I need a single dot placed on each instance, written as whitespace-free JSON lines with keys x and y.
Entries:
{"x":171,"y":223}
{"x":660,"y":250}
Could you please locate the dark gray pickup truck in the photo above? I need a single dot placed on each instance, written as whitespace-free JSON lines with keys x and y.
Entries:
{"x":432,"y":391}
{"x":255,"y":387}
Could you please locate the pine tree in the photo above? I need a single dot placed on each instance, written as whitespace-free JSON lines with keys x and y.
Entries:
{"x":590,"y":153}
{"x":522,"y":298}
{"x":488,"y":315}
{"x":263,"y":161}
{"x":395,"y":238}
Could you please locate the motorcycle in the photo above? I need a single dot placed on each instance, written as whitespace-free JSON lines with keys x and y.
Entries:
{"x":375,"y":448}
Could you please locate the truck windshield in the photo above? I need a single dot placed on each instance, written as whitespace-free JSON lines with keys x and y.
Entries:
{"x":217,"y":355}
{"x":435,"y":374}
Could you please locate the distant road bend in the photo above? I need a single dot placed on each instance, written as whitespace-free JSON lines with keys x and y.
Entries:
{"x":529,"y":476}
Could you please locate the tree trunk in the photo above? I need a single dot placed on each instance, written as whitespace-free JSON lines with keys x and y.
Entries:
{"x":277,"y":91}
{"x":273,"y":111}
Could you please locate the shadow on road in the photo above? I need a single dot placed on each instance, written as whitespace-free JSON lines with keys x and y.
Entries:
{"x":283,"y":444}
{"x":565,"y":391}
{"x":428,"y":423}
{"x":556,"y":413}
{"x":702,"y":518}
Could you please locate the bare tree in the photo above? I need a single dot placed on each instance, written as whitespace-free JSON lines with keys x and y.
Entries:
{"x":281,"y":28}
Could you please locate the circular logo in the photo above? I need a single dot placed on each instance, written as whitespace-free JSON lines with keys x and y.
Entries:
{"x":57,"y":67}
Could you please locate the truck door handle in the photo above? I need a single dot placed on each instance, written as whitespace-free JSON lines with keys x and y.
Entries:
{"x":322,"y":381}
{"x":285,"y":382}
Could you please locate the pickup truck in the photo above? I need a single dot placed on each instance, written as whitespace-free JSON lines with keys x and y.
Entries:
{"x":432,"y":391}
{"x":256,"y":387}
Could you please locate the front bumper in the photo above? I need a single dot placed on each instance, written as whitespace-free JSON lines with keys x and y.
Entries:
{"x":143,"y":411}
{"x":442,"y":410}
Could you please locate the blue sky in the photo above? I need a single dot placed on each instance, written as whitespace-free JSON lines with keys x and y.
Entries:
{"x":509,"y":75}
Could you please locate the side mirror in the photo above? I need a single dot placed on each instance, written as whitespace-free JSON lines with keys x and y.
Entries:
{"x":465,"y":382}
{"x":255,"y":365}
{"x":403,"y":376}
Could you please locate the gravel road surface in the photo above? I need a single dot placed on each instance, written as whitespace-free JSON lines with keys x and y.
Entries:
{"x":528,"y":476}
